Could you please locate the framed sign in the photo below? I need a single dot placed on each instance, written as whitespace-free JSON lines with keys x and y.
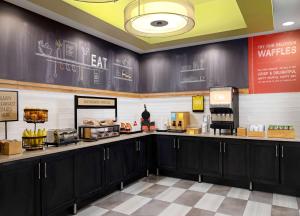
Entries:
{"x":9,"y":106}
{"x":86,"y":102}
{"x":198,"y":103}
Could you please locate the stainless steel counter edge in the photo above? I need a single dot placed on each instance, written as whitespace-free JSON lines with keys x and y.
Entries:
{"x":53,"y":150}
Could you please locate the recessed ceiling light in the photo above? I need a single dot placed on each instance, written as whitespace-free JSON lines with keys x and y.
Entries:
{"x":159,"y":18}
{"x":289,"y":23}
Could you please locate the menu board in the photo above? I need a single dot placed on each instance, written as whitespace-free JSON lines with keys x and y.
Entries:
{"x":8,"y":106}
{"x":274,"y":64}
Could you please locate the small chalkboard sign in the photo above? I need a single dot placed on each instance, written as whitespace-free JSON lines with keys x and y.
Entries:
{"x":8,"y":107}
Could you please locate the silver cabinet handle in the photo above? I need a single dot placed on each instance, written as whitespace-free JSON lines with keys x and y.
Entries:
{"x":45,"y":171}
{"x":277,"y":151}
{"x":281,"y":151}
{"x":107,"y":153}
{"x":104,"y":154}
{"x":224,"y":147}
{"x":174,"y":143}
{"x":221,"y":147}
{"x":39,"y":174}
{"x":178,"y":144}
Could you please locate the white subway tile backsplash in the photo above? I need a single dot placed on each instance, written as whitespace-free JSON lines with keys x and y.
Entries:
{"x":254,"y":109}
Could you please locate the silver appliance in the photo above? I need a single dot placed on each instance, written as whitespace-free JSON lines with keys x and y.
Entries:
{"x":59,"y":137}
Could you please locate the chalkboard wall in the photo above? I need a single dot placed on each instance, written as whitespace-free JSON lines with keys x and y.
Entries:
{"x":36,"y":49}
{"x":196,"y":68}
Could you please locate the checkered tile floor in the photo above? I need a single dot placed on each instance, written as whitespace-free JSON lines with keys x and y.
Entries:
{"x":164,"y":196}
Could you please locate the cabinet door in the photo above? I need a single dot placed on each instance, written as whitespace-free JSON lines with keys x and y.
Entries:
{"x":235,"y":159}
{"x":290,"y":164}
{"x":58,"y":182}
{"x":211,"y":157}
{"x":114,"y":163}
{"x":20,"y":188}
{"x":131,"y":148}
{"x":188,"y":155}
{"x":142,"y":159}
{"x":264,"y":162}
{"x":166,"y":147}
{"x":89,"y":171}
{"x":151,"y":153}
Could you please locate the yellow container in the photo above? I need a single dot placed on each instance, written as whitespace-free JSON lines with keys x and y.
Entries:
{"x":193,"y":131}
{"x":284,"y":134}
{"x":256,"y":134}
{"x":242,"y":132}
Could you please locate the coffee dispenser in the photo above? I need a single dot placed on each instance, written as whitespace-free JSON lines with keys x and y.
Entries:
{"x":179,"y":121}
{"x":224,"y":108}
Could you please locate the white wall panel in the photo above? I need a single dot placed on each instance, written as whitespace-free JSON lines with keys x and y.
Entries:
{"x":254,"y":109}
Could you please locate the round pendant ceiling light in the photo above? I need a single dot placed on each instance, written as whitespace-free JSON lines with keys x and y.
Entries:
{"x":159,"y":18}
{"x":97,"y":1}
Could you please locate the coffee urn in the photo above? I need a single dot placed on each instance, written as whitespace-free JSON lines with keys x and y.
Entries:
{"x":224,"y":108}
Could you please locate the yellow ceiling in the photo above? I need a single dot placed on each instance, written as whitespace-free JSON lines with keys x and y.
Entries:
{"x":215,"y":20}
{"x":211,"y":16}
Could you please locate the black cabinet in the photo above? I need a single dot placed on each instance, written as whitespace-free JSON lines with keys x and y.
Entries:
{"x":131,"y":149}
{"x":188,"y":155}
{"x":166,"y":151}
{"x":20,"y":188}
{"x":89,"y":171}
{"x":135,"y":157}
{"x":114,"y":162}
{"x":235,"y":159}
{"x":151,"y":152}
{"x":143,"y":143}
{"x":264,"y":162}
{"x":290,"y":164}
{"x":57,"y":182}
{"x":211,"y":157}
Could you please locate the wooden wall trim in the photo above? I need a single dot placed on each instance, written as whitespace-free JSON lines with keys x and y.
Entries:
{"x":183,"y":94}
{"x":62,"y":89}
{"x":12,"y":84}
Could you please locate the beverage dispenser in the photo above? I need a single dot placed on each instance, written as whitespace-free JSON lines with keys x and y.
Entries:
{"x":224,"y":108}
{"x":179,"y":121}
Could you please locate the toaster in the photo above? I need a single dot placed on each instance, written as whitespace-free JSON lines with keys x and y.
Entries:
{"x":62,"y":136}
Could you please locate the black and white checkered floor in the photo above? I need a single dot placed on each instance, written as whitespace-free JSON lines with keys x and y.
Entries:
{"x":166,"y":196}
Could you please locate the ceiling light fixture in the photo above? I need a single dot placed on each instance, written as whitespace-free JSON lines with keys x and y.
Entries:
{"x":159,"y":18}
{"x":97,"y":1}
{"x":289,"y":23}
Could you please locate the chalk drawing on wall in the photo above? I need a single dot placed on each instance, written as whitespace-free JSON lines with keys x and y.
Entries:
{"x":194,"y":73}
{"x":66,"y":58}
{"x":123,"y":70}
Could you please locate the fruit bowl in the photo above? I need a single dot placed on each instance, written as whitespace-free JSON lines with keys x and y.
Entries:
{"x":35,"y":115}
{"x":33,"y":143}
{"x":34,"y":140}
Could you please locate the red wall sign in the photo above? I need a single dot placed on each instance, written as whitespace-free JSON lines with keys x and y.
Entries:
{"x":274,"y":63}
